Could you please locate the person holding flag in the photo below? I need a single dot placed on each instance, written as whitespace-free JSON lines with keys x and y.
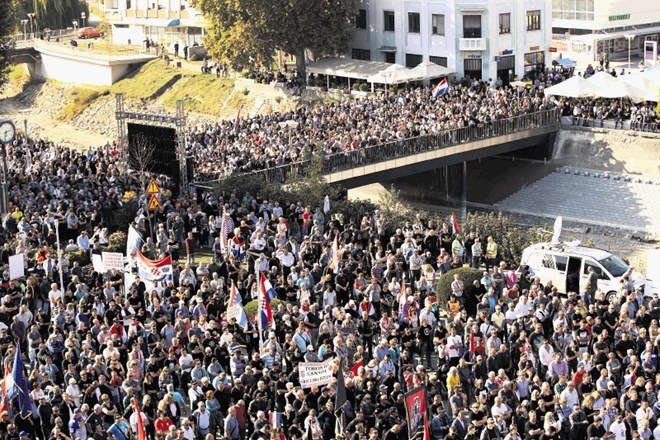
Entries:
{"x":264,"y":312}
{"x":441,"y":89}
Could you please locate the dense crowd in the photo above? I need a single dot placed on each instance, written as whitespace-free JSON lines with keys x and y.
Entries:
{"x":265,"y":141}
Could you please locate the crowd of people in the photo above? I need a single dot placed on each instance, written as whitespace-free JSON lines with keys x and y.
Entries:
{"x":266,"y":141}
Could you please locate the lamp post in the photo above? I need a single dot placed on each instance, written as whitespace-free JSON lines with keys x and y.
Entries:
{"x":629,"y":37}
{"x":24,"y":23}
{"x":75,"y":25}
{"x":31,"y":17}
{"x":59,"y":253}
{"x":83,"y":16}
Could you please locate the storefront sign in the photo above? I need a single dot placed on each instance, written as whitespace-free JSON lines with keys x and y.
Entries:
{"x":472,"y":56}
{"x":506,"y":52}
{"x":534,"y":48}
{"x":619,"y":17}
{"x":553,"y":49}
{"x":498,"y":59}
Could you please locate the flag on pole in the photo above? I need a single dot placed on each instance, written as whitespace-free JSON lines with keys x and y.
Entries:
{"x":141,"y":432}
{"x":275,"y":419}
{"x":357,"y":366}
{"x":440,"y":89}
{"x":235,"y":307}
{"x":238,"y":117}
{"x":340,"y":402}
{"x":334,"y":263}
{"x":266,"y":293}
{"x":19,"y":385}
{"x":154,"y":270}
{"x":226,"y":227}
{"x":133,"y":240}
{"x":402,"y":299}
{"x":454,"y":224}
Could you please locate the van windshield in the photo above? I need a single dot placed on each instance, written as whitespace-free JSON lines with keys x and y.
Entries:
{"x":614,"y":265}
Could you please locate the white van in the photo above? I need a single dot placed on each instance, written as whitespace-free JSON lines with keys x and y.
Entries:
{"x":566,"y":265}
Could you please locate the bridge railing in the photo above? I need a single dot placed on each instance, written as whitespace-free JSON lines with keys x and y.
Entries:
{"x":27,"y":40}
{"x":407,"y":147}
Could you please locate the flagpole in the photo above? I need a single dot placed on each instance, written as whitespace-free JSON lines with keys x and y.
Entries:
{"x":260,"y":304}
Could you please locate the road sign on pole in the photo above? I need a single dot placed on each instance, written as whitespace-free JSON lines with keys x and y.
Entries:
{"x":153,"y":188}
{"x":154,"y":203}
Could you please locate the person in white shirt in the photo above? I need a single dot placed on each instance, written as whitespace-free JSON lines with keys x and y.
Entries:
{"x":73,"y":390}
{"x":570,"y":394}
{"x":618,"y":428}
{"x":500,"y":410}
{"x":133,"y":421}
{"x":545,"y":353}
{"x":454,"y":347}
{"x":54,"y":295}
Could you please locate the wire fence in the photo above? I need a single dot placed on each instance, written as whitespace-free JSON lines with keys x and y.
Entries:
{"x":406,"y":147}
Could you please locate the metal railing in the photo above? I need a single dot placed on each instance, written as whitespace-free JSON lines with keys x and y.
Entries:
{"x":407,"y":147}
{"x":25,"y":41}
{"x":615,"y":124}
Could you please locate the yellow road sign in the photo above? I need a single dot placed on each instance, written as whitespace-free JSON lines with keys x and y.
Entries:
{"x":153,"y":187}
{"x":154,"y":203}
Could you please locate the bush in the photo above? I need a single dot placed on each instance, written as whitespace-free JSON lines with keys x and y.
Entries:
{"x":124,"y":215}
{"x":511,"y":238}
{"x":364,"y":87}
{"x":251,"y":307}
{"x":79,"y":99}
{"x":80,"y":256}
{"x":117,"y":242}
{"x":355,"y":86}
{"x":467,"y":274}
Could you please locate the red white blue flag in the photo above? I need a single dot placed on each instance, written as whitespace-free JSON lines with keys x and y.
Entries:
{"x":150,"y":270}
{"x":440,"y":89}
{"x":264,"y":312}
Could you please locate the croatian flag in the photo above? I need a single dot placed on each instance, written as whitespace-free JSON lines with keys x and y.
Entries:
{"x":402,"y":299}
{"x":150,"y":270}
{"x":235,"y":308}
{"x":275,"y":419}
{"x":440,"y":89}
{"x":454,"y":224}
{"x":266,"y":293}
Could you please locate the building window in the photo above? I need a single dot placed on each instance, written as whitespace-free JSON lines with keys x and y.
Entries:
{"x":388,"y":19}
{"x":472,"y":26}
{"x":390,"y":57}
{"x":533,"y":20}
{"x":438,"y":24}
{"x":505,"y":23}
{"x":361,"y":19}
{"x":440,"y":61}
{"x":413,"y":60}
{"x":573,"y":9}
{"x":361,"y":54}
{"x":413,"y":22}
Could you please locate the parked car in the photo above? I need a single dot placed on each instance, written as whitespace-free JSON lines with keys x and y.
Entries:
{"x":89,"y":32}
{"x":566,"y":265}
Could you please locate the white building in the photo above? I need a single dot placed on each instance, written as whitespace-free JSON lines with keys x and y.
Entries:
{"x":163,"y":21}
{"x":587,"y":29}
{"x":480,"y":38}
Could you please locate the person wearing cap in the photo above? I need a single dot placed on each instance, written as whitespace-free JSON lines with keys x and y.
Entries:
{"x":77,"y":426}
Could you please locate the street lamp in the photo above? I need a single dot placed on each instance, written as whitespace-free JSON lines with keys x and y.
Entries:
{"x":83,"y":16}
{"x":24,"y":23}
{"x":629,"y":37}
{"x":75,"y":25}
{"x":31,"y":16}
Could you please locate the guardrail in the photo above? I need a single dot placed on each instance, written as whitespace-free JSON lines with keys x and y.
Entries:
{"x":406,"y":147}
{"x":612,"y":124}
{"x":93,"y":51}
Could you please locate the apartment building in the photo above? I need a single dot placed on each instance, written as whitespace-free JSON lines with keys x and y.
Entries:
{"x":478,"y":38}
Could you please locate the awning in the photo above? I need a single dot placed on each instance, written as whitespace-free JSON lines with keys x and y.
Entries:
{"x":347,"y":68}
{"x":563,"y":62}
{"x":387,"y":49}
{"x":394,"y":74}
{"x":429,"y":70}
{"x":175,"y":22}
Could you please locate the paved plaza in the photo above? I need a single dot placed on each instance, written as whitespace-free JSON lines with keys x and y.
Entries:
{"x":590,"y":196}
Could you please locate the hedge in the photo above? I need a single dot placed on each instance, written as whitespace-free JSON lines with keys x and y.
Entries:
{"x":467,"y":275}
{"x":251,"y":307}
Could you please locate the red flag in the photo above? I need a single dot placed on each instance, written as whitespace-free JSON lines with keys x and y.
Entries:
{"x":357,"y":366}
{"x":4,"y":401}
{"x":454,"y":224}
{"x":141,"y":433}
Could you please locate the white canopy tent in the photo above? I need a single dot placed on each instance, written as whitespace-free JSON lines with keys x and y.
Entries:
{"x":641,"y":87}
{"x":346,"y":68}
{"x":394,"y":74}
{"x":608,"y":86}
{"x":574,"y":87}
{"x":429,"y":70}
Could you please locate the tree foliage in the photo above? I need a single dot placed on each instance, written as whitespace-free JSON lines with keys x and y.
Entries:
{"x":243,"y":32}
{"x":466,"y":274}
{"x":53,"y":14}
{"x":8,"y":21}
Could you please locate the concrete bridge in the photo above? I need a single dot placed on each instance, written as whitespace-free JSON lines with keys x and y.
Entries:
{"x":56,"y":58}
{"x":403,"y":158}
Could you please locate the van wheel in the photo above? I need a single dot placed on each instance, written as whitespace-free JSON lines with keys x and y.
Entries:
{"x":611,"y":297}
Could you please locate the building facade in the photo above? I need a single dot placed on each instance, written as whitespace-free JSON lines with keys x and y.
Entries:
{"x":480,"y":39}
{"x":589,"y":29}
{"x":162,"y":21}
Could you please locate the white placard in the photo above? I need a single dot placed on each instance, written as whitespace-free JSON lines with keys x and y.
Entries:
{"x":97,"y":262}
{"x":113,"y":260}
{"x":316,"y":373}
{"x":16,"y":266}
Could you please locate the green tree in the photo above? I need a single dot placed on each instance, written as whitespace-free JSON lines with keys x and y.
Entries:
{"x":53,"y":14}
{"x":8,"y":26}
{"x":245,"y":31}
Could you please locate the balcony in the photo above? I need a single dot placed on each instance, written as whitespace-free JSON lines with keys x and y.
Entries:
{"x":468,"y":44}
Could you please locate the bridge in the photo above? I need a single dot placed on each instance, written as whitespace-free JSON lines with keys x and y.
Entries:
{"x":52,"y":56}
{"x":402,"y":158}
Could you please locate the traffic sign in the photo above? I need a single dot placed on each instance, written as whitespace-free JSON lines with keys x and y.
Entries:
{"x":153,"y":188}
{"x":154,"y":203}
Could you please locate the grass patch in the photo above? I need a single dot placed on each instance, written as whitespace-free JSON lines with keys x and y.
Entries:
{"x":78,"y":99}
{"x":146,"y":81}
{"x":18,"y":76}
{"x":200,"y":93}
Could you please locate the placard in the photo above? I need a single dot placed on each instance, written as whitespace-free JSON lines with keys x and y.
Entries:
{"x":113,"y":260}
{"x":16,"y":266}
{"x":315,"y":373}
{"x":97,"y":263}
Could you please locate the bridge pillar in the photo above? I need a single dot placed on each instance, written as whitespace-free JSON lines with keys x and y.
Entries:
{"x":444,"y":186}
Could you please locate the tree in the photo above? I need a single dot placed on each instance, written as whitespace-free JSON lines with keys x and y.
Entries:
{"x":8,"y":26}
{"x":53,"y":14}
{"x":243,"y":32}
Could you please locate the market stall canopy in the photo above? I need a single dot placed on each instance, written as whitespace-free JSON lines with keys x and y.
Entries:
{"x":648,"y":88}
{"x":574,"y":87}
{"x":429,"y":70}
{"x":347,"y":68}
{"x":608,"y":86}
{"x":394,"y":74}
{"x":563,"y":62}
